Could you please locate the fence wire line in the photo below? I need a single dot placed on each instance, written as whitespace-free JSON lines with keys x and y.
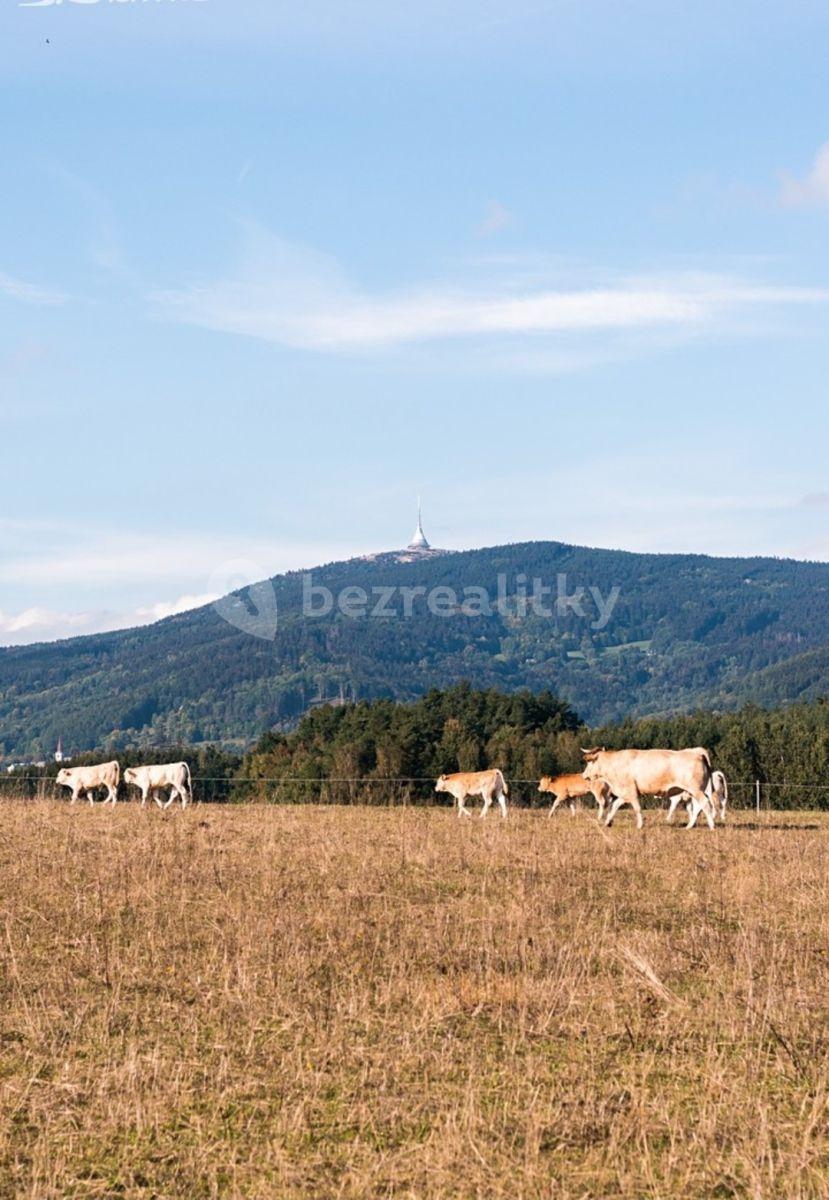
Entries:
{"x":388,"y":779}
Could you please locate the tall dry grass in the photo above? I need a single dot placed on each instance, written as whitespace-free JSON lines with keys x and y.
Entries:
{"x":277,"y":1002}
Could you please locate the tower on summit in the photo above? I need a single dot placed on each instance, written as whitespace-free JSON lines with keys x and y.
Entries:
{"x":419,"y":542}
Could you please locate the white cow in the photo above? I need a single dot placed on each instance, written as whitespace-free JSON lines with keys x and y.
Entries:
{"x":633,"y":773}
{"x":87,"y":779}
{"x":719,"y":798}
{"x":490,"y":785}
{"x":151,"y":780}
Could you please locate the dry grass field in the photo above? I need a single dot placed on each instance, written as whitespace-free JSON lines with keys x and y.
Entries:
{"x":308,"y":1002}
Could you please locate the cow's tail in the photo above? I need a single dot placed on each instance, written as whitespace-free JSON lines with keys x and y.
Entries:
{"x":709,"y":785}
{"x":504,"y":786}
{"x":117,"y":775}
{"x":189,"y":781}
{"x":723,"y":795}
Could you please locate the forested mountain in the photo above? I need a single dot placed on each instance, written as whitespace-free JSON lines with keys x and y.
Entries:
{"x":685,"y":631}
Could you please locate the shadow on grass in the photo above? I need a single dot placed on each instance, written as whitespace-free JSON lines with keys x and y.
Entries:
{"x":773,"y":825}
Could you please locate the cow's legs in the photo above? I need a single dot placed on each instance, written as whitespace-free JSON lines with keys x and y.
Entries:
{"x":487,"y":799}
{"x":173,"y":793}
{"x":75,"y":795}
{"x":700,"y":803}
{"x":614,"y":808}
{"x":157,"y":798}
{"x":91,"y":794}
{"x":144,"y":792}
{"x":502,"y":804}
{"x":599,"y":797}
{"x":112,"y":795}
{"x":675,"y":801}
{"x":633,"y":800}
{"x":463,"y":811}
{"x":556,"y":801}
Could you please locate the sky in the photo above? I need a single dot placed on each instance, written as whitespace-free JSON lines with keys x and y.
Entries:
{"x":270,"y":271}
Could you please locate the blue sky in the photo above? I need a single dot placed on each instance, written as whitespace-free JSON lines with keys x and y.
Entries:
{"x":269,"y":271}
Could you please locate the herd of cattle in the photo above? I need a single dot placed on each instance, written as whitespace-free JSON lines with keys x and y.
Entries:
{"x":614,"y":778}
{"x":611,"y":777}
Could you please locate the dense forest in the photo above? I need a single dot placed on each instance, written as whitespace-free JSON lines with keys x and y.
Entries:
{"x":685,"y":631}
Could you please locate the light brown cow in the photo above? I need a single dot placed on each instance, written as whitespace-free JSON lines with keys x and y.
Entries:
{"x":490,"y":785}
{"x":87,"y":779}
{"x":571,"y":787}
{"x":633,"y":773}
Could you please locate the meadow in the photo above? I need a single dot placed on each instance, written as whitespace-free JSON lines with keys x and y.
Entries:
{"x":269,"y":1002}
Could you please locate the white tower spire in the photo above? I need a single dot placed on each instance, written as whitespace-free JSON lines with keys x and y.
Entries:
{"x":419,"y":542}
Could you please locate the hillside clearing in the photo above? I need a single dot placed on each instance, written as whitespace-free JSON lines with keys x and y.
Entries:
{"x":318,"y":1002}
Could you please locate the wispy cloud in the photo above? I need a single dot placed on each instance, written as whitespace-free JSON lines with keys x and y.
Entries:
{"x":29,"y":293}
{"x":496,"y":218}
{"x":812,"y":190}
{"x":294,"y":296}
{"x":125,"y":561}
{"x":41,"y":624}
{"x":165,"y":608}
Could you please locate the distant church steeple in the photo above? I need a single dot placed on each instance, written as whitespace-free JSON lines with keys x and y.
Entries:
{"x":419,"y":542}
{"x":59,"y":751}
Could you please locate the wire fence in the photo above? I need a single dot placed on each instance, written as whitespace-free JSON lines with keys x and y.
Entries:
{"x":392,"y":791}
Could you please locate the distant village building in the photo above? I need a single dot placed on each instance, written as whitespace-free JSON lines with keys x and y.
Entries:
{"x":59,"y":752}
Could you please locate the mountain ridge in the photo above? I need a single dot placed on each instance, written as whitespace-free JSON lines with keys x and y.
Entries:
{"x":686,"y":631}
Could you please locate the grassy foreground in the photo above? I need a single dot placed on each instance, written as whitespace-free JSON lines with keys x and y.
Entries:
{"x":280,"y":1002}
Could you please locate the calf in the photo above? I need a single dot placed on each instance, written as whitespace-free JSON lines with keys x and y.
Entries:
{"x":489,"y":785}
{"x":719,"y":798}
{"x":570,"y":787}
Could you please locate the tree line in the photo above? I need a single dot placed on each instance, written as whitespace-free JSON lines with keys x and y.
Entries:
{"x":343,"y":752}
{"x":381,"y":752}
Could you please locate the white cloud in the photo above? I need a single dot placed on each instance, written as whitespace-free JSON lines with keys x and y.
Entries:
{"x":812,"y":191}
{"x":39,"y":624}
{"x":157,"y":612}
{"x":29,"y":293}
{"x":296,"y":297}
{"x":107,"y":560}
{"x":69,"y":582}
{"x":32,"y":620}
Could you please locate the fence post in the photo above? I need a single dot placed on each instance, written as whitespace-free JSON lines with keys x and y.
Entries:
{"x":757,"y":791}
